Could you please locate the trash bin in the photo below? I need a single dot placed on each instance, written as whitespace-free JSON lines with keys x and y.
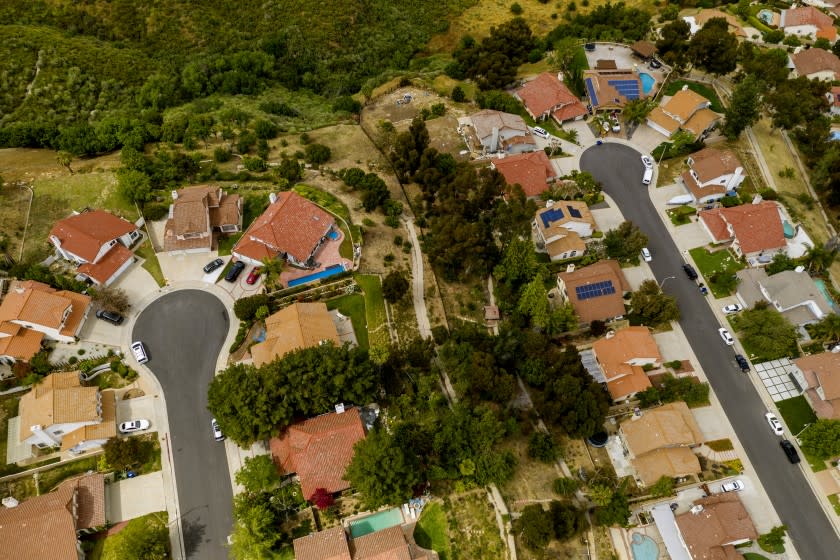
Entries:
{"x":599,"y":142}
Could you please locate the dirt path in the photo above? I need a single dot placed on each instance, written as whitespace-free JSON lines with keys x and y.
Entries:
{"x":417,"y":286}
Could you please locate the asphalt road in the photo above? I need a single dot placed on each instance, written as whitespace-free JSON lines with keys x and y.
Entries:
{"x":183,"y":333}
{"x":619,"y":169}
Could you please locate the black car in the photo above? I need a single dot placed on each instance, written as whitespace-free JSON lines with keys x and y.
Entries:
{"x":655,"y":63}
{"x":742,"y":362}
{"x":110,"y":316}
{"x":790,"y":451}
{"x":213,"y":265}
{"x":690,"y":272}
{"x":589,"y":47}
{"x":235,"y":271}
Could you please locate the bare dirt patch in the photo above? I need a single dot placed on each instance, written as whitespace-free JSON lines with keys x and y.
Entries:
{"x":444,"y":136}
{"x":533,"y":480}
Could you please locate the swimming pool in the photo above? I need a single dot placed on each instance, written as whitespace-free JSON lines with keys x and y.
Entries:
{"x":643,"y":547}
{"x":329,"y":271}
{"x":766,"y":16}
{"x":821,"y":286}
{"x":376,"y":522}
{"x":333,"y":235}
{"x":647,"y":82}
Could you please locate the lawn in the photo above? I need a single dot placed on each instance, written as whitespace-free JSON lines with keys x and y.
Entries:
{"x":797,"y":413}
{"x":431,"y":530}
{"x":702,"y":89}
{"x":8,"y":409}
{"x":226,"y":243}
{"x":353,"y":306}
{"x":377,"y":319}
{"x":681,"y":215}
{"x":111,"y":548}
{"x":835,"y":502}
{"x":151,"y":264}
{"x":712,"y":265}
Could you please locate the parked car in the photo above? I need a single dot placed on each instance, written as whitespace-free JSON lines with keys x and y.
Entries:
{"x":213,"y":265}
{"x":790,"y":451}
{"x":616,"y":127}
{"x":742,"y":362}
{"x":647,"y":162}
{"x":690,"y":272}
{"x":110,"y":316}
{"x":253,"y":275}
{"x":134,"y":426}
{"x":655,"y":63}
{"x":540,"y":132}
{"x":646,"y":254}
{"x":139,"y":352}
{"x":235,"y":271}
{"x":775,"y":425}
{"x":217,"y":431}
{"x":733,"y":308}
{"x":732,"y":486}
{"x":727,"y":338}
{"x":647,"y":177}
{"x":589,"y":47}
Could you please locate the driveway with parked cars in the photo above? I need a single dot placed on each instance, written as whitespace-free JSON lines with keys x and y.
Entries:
{"x":619,"y":169}
{"x":183,"y":332}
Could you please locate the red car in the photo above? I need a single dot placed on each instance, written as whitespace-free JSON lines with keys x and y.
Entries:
{"x":252,"y":277}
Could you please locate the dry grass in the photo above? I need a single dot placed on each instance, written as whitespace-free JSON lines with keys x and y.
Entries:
{"x":444,"y":136}
{"x":533,"y":480}
{"x":464,"y":300}
{"x":444,"y":85}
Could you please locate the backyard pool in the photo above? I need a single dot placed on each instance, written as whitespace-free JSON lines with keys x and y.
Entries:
{"x":647,"y":82}
{"x":766,"y":16}
{"x":821,"y":286}
{"x":377,"y":522}
{"x":333,"y":235}
{"x":329,"y":271}
{"x":643,"y":547}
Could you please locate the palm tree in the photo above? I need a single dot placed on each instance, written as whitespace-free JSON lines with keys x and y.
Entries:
{"x":271,"y":271}
{"x":828,"y":329}
{"x":819,"y":258}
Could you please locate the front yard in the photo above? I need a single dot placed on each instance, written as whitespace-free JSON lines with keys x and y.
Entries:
{"x":681,"y":215}
{"x":718,"y":269}
{"x":151,"y":528}
{"x":797,"y":413}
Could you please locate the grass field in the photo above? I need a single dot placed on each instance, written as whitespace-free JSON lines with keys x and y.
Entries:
{"x":324,"y":199}
{"x":797,"y":413}
{"x":702,"y":89}
{"x":353,"y":306}
{"x":431,"y":531}
{"x":111,"y":548}
{"x":377,"y":319}
{"x":719,"y":262}
{"x":835,"y":503}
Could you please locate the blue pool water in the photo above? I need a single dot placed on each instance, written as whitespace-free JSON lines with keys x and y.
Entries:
{"x":766,"y":16}
{"x":376,"y":522}
{"x":821,"y":286}
{"x":329,"y":271}
{"x":643,"y":547}
{"x":333,"y":235}
{"x":647,"y":82}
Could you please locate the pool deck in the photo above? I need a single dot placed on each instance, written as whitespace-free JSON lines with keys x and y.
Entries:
{"x":621,"y":539}
{"x":327,"y":256}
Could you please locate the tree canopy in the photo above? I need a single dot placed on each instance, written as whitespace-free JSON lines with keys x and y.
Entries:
{"x":651,"y":306}
{"x":383,"y":471}
{"x":625,"y":243}
{"x":822,"y":439}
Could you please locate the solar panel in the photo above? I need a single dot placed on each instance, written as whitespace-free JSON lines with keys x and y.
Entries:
{"x":591,"y":89}
{"x":551,"y":216}
{"x":573,"y":212}
{"x":594,"y":290}
{"x":627,"y":88}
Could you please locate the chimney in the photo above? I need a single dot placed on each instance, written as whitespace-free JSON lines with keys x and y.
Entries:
{"x":757,"y":199}
{"x":174,"y":195}
{"x":272,"y":198}
{"x":549,"y":203}
{"x":339,"y":408}
{"x":800,"y":269}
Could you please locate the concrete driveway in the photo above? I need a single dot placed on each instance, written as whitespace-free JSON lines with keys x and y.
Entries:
{"x":787,"y":487}
{"x":135,"y":409}
{"x":136,"y":496}
{"x":186,"y":267}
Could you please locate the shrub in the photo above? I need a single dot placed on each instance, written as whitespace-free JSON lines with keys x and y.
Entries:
{"x":317,"y":154}
{"x":516,"y":9}
{"x":155,"y":211}
{"x":221,"y":155}
{"x":254,"y":163}
{"x":566,"y":486}
{"x":730,"y":201}
{"x":246,"y":308}
{"x":265,"y":129}
{"x":541,"y":446}
{"x":440,"y":334}
{"x":458,"y":94}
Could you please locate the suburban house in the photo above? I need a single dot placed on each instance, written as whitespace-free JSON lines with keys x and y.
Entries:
{"x":712,"y":173}
{"x":495,"y":131}
{"x":710,"y":529}
{"x":612,"y":88}
{"x":300,"y":325}
{"x":48,"y":526}
{"x":659,"y":442}
{"x":98,"y":242}
{"x":596,"y":291}
{"x":291,"y":227}
{"x":808,"y":22}
{"x":819,"y":375}
{"x":622,"y":356}
{"x":833,"y":97}
{"x":58,"y":314}
{"x":815,"y":64}
{"x":643,"y":49}
{"x":561,"y":228}
{"x":546,"y":96}
{"x":17,"y":343}
{"x":753,"y":231}
{"x":698,"y":20}
{"x":319,"y":450}
{"x":59,"y":412}
{"x":794,"y":294}
{"x":686,"y":110}
{"x":392,"y":543}
{"x":532,"y":171}
{"x":196,"y":213}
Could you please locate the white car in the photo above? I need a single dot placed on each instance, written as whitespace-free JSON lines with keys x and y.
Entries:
{"x":646,"y":254}
{"x":616,"y":127}
{"x":733,"y":308}
{"x":540,"y":132}
{"x":139,"y":352}
{"x":647,"y":162}
{"x":732,"y":486}
{"x":775,"y":425}
{"x":217,"y":431}
{"x":727,"y":338}
{"x":134,"y":426}
{"x":606,"y":126}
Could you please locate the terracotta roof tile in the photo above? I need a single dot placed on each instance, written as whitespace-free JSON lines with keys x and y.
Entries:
{"x":485,"y":121}
{"x":102,"y":271}
{"x":683,"y":104}
{"x":569,"y":241}
{"x":19,"y":342}
{"x":84,"y":234}
{"x":711,"y":163}
{"x":90,"y":500}
{"x":671,"y":462}
{"x":633,"y":381}
{"x":300,"y":325}
{"x":757,"y":227}
{"x":34,"y":306}
{"x":81,"y":304}
{"x":658,"y":117}
{"x":319,"y":449}
{"x":544,"y":92}
{"x":57,"y":399}
{"x":603,"y":307}
{"x":805,"y":15}
{"x":329,"y":544}
{"x":227,"y":213}
{"x":386,"y":544}
{"x":699,"y":192}
{"x":814,"y":60}
{"x":532,"y":171}
{"x":825,"y":366}
{"x":670,"y":425}
{"x":291,"y":225}
{"x":701,"y":121}
{"x":722,"y":520}
{"x":570,"y":112}
{"x":615,"y":355}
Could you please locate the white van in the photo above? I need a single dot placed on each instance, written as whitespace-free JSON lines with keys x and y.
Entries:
{"x":647,"y":177}
{"x":540,"y":132}
{"x":139,"y":352}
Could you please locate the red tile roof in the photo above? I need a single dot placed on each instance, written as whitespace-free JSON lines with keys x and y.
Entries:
{"x":805,"y":15}
{"x":602,"y":307}
{"x":544,"y":92}
{"x":84,"y":234}
{"x":532,"y":171}
{"x":385,"y":544}
{"x":291,"y":225}
{"x":757,"y":227}
{"x":102,"y":271}
{"x":19,"y":342}
{"x":570,"y":112}
{"x":319,"y":450}
{"x":329,"y":544}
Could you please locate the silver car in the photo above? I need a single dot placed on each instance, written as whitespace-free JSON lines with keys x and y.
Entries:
{"x":732,"y":486}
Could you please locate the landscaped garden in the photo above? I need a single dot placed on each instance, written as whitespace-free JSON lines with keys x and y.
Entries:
{"x":149,"y":534}
{"x":681,"y":215}
{"x":718,"y":269}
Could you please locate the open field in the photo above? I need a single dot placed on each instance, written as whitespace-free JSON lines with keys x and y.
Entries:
{"x":470,"y":527}
{"x":533,"y":479}
{"x":431,"y":531}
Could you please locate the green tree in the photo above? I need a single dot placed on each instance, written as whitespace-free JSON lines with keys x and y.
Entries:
{"x":625,"y":243}
{"x":133,"y":186}
{"x":317,"y":154}
{"x":148,"y":541}
{"x":819,"y":258}
{"x":534,"y":527}
{"x":271,"y":271}
{"x":766,"y":332}
{"x":382,"y":471}
{"x":533,"y":303}
{"x":123,"y":453}
{"x":822,"y":439}
{"x":245,"y":308}
{"x":395,"y":286}
{"x":566,"y":486}
{"x":64,"y":159}
{"x":663,"y":487}
{"x":780,"y":263}
{"x":567,"y":520}
{"x":637,"y":110}
{"x":258,"y":473}
{"x":458,"y":94}
{"x":714,"y":48}
{"x":774,"y":541}
{"x":827,"y":329}
{"x":517,"y":268}
{"x":743,"y":108}
{"x":652,"y":306}
{"x":255,"y":533}
{"x":289,"y":170}
{"x":541,"y":446}
{"x":615,"y":512}
{"x":600,"y":494}
{"x":111,"y":299}
{"x":673,"y":44}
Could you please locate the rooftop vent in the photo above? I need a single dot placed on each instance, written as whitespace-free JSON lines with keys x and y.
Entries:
{"x":339,"y":408}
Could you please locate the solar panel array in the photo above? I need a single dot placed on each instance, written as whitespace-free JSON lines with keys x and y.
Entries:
{"x":551,"y":216}
{"x":627,"y":88}
{"x":573,"y":212}
{"x":594,"y":290}
{"x":591,"y":89}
